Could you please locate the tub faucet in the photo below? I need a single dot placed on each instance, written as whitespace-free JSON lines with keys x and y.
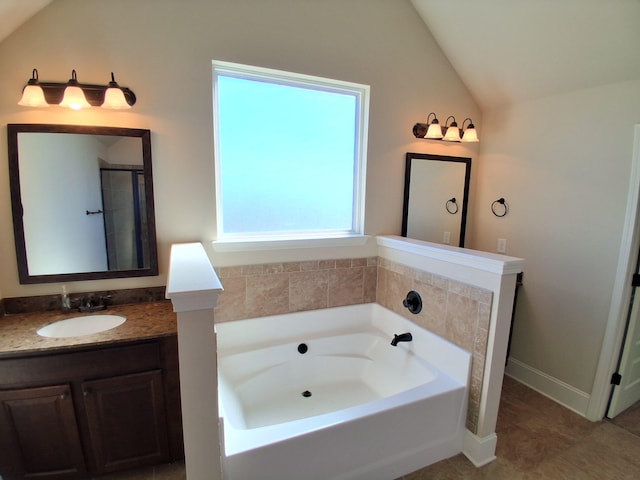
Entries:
{"x":403,"y":337}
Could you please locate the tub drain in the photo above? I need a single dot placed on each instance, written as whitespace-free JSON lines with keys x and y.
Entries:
{"x":306,"y":393}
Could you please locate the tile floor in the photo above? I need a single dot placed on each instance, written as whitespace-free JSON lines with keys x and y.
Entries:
{"x":537,"y":439}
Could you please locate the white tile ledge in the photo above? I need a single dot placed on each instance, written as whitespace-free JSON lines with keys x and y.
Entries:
{"x":489,"y":262}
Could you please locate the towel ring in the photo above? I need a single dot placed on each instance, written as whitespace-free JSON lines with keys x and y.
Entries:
{"x":495,"y":206}
{"x":451,"y":206}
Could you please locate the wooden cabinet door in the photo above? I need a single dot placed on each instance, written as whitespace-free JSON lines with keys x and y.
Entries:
{"x":127,"y":421}
{"x":39,"y":434}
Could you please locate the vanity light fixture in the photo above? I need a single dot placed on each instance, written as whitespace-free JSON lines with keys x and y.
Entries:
{"x":76,"y":95}
{"x":432,"y":130}
{"x":114,"y":96}
{"x":32,"y":94}
{"x":73,"y":95}
{"x":470,"y":135}
{"x":453,"y":132}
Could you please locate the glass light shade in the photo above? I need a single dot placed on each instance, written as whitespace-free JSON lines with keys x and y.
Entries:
{"x":434,"y":131}
{"x":33,"y":96}
{"x":114,"y":99}
{"x":470,"y":135}
{"x":453,"y":134}
{"x":74,"y":98}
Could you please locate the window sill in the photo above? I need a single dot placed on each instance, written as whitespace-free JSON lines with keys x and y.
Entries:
{"x":254,"y":244}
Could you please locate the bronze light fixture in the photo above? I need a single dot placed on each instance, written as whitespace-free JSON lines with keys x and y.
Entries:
{"x":450,"y":132}
{"x":76,"y":95}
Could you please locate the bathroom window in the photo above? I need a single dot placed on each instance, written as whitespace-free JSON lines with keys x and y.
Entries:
{"x":290,"y":154}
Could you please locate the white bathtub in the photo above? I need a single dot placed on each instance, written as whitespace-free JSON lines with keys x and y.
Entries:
{"x":351,"y":407}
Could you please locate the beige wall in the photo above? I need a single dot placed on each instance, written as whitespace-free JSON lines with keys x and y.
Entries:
{"x":162,"y":50}
{"x":563,"y":165}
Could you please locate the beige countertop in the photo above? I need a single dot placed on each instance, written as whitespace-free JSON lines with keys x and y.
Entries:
{"x":144,"y":321}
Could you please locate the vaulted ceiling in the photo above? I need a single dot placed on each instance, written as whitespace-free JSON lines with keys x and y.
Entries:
{"x":507,"y":50}
{"x":14,"y":13}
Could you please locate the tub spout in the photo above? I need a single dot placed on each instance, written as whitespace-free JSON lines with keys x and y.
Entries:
{"x":403,"y":337}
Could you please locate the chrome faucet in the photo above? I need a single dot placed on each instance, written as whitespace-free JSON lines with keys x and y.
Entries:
{"x":403,"y":337}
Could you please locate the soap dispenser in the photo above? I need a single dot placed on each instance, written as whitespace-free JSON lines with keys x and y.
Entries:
{"x":65,"y":300}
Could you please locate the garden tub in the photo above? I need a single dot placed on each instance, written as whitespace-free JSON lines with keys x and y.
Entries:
{"x":324,"y":395}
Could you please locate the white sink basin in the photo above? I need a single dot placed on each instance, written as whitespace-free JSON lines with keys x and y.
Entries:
{"x":83,"y":325}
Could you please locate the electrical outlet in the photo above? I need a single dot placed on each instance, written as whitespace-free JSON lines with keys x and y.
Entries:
{"x":502,"y":245}
{"x":446,"y":238}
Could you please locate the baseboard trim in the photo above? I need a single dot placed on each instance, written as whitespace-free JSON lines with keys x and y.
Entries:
{"x":479,"y":451}
{"x":570,"y":397}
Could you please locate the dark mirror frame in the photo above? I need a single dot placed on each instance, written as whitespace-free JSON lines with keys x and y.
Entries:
{"x":438,"y":158}
{"x":16,"y":201}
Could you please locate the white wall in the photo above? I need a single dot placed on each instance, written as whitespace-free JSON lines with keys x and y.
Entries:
{"x":563,"y":165}
{"x":162,"y":50}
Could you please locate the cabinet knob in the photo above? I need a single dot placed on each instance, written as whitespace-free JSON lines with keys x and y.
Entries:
{"x":86,"y":392}
{"x":64,"y":395}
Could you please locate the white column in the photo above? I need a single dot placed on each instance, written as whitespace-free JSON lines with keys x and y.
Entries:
{"x":193,"y":288}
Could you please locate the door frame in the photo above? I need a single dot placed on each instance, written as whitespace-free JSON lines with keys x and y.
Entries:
{"x":621,"y":293}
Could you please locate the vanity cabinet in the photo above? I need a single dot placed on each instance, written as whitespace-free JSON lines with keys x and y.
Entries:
{"x":38,"y":426}
{"x":83,"y":413}
{"x":126,"y":422}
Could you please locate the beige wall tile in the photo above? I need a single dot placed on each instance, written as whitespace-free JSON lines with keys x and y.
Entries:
{"x":292,"y":267}
{"x":343,"y":263}
{"x":370,"y":284}
{"x":397,"y":286}
{"x":308,"y":290}
{"x":267,"y":294}
{"x":310,"y":265}
{"x":231,"y":304}
{"x":346,"y":286}
{"x":358,"y":262}
{"x":227,"y":272}
{"x":462,"y":320}
{"x":381,"y":289}
{"x":252,"y":269}
{"x":273,"y":268}
{"x":325,"y":264}
{"x":266,"y":289}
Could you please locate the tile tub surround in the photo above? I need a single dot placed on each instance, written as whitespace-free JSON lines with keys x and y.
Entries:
{"x":456,"y":311}
{"x":276,"y":288}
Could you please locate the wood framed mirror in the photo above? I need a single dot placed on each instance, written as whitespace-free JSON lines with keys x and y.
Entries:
{"x":436,"y":198}
{"x":82,"y":202}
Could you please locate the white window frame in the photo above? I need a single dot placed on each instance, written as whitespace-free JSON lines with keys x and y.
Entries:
{"x":231,"y":242}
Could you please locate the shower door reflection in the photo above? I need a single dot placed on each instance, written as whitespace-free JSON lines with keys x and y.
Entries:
{"x":126,"y":230}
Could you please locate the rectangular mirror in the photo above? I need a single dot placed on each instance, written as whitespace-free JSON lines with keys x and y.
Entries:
{"x":436,"y":196}
{"x":82,"y":202}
